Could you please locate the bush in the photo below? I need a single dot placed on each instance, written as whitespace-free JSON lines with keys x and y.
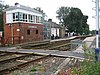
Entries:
{"x":88,"y":65}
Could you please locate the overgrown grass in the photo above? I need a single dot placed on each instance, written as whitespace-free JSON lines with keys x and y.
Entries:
{"x":38,"y":68}
{"x":88,"y":66}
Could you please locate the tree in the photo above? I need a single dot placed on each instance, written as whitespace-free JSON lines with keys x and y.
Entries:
{"x":1,"y":17}
{"x":84,"y":24}
{"x":93,"y":32}
{"x":2,"y":7}
{"x":62,"y":12}
{"x":74,"y":20}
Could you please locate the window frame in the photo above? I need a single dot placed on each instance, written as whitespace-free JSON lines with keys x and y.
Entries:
{"x":28,"y":32}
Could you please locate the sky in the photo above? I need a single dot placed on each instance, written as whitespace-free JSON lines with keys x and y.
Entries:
{"x":51,"y":6}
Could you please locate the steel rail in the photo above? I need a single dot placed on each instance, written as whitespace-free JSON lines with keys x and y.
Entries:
{"x":12,"y":68}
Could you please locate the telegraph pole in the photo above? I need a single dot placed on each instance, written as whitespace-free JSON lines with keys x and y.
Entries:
{"x":97,"y":31}
{"x":97,"y":23}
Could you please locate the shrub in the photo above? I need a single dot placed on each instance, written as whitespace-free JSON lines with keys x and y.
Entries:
{"x":88,"y":65}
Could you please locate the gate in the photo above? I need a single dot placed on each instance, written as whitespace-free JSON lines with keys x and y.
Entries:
{"x":75,"y":44}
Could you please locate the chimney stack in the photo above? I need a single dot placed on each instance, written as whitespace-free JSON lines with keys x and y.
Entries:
{"x":16,"y":3}
{"x":49,"y":20}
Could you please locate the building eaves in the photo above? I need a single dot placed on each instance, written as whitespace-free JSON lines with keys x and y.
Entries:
{"x":23,"y":8}
{"x":55,"y":25}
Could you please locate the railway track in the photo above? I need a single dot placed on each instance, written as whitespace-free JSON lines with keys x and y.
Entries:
{"x":13,"y":62}
{"x":50,"y":64}
{"x":33,"y":44}
{"x":21,"y":62}
{"x":9,"y":65}
{"x":9,"y":55}
{"x":60,"y":44}
{"x":65,"y":68}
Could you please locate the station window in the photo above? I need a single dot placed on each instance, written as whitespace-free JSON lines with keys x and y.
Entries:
{"x":28,"y":32}
{"x":36,"y":31}
{"x":20,"y":16}
{"x":25,"y":17}
{"x":36,"y":19}
{"x":40,"y":19}
{"x":33,"y":18}
{"x":30,"y":18}
{"x":15,"y":16}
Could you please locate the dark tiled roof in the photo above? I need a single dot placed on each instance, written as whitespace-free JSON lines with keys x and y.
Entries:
{"x":55,"y":25}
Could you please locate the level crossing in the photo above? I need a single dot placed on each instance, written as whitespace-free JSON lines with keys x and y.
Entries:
{"x":78,"y":53}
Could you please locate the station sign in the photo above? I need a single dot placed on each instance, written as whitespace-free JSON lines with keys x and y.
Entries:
{"x":0,"y":33}
{"x":32,"y":26}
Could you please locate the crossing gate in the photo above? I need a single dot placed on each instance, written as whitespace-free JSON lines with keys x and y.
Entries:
{"x":75,"y":44}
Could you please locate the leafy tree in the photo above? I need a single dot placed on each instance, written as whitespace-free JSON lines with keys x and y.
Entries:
{"x":84,"y":24}
{"x":73,"y":19}
{"x":2,"y":7}
{"x":93,"y":32}
{"x":62,"y":12}
{"x":1,"y":17}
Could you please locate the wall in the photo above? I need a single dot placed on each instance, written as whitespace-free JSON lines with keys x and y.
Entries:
{"x":55,"y":31}
{"x":20,"y":30}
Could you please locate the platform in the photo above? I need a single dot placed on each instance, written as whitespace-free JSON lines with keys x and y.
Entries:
{"x":88,"y":41}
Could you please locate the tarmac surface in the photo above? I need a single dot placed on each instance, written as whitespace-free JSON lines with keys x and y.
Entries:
{"x":46,"y":52}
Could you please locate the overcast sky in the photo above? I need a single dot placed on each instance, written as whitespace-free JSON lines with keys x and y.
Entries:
{"x":51,"y":6}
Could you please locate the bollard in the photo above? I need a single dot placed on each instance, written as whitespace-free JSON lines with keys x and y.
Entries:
{"x":96,"y":54}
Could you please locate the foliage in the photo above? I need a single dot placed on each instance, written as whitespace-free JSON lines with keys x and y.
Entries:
{"x":38,"y":68}
{"x":1,"y":17}
{"x":34,"y":70}
{"x":73,"y":19}
{"x":93,"y":32}
{"x":62,"y":12}
{"x":2,"y":7}
{"x":88,"y":66}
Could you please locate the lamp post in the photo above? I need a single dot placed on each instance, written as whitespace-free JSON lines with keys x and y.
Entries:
{"x":12,"y":36}
{"x":50,"y":30}
{"x":12,"y":39}
{"x":97,"y":31}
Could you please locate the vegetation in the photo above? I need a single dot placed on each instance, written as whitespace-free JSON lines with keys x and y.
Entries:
{"x":1,"y":17}
{"x":2,"y":7}
{"x":73,"y":19}
{"x":38,"y":68}
{"x":88,"y":67}
{"x":93,"y":32}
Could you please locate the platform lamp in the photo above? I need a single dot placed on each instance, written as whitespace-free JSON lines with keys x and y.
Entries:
{"x":97,"y":31}
{"x":12,"y":31}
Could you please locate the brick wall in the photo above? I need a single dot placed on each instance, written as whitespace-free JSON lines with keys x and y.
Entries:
{"x":20,"y":32}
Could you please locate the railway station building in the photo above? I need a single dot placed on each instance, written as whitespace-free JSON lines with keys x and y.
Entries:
{"x":23,"y":24}
{"x":56,"y":30}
